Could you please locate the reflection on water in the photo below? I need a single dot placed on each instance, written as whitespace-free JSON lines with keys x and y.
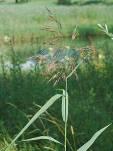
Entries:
{"x":25,"y":52}
{"x":28,"y":65}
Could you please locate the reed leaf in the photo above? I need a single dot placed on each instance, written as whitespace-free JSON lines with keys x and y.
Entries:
{"x":42,"y":138}
{"x":41,"y":111}
{"x":87,"y":145}
{"x":65,"y":106}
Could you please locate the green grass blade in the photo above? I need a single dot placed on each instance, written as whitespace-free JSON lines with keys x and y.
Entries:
{"x":41,"y":111}
{"x":65,"y":106}
{"x":42,"y":138}
{"x":49,"y":148}
{"x":86,"y":146}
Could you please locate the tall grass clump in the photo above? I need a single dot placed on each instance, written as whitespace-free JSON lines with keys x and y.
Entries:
{"x":63,"y":99}
{"x":65,"y":113}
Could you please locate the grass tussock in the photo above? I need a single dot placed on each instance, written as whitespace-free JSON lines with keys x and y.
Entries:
{"x":21,"y":91}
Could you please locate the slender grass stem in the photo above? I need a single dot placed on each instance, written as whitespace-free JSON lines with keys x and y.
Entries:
{"x":74,"y":70}
{"x":65,"y":136}
{"x":66,"y":87}
{"x":66,"y":90}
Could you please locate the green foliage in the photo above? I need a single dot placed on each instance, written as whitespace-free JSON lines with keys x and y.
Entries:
{"x":65,"y":106}
{"x":66,"y":2}
{"x":105,"y":30}
{"x":21,"y":1}
{"x":86,"y":146}
{"x":88,"y":107}
{"x":23,"y":32}
{"x":82,"y":105}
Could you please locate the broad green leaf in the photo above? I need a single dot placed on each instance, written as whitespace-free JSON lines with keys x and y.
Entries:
{"x":65,"y":106}
{"x":41,"y":111}
{"x":42,"y":138}
{"x":86,"y":146}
